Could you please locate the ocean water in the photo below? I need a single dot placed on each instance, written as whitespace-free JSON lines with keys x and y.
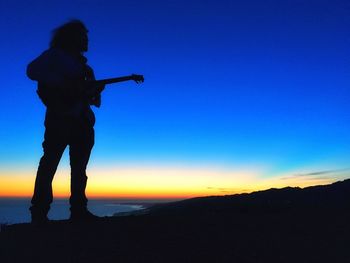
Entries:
{"x":16,"y":210}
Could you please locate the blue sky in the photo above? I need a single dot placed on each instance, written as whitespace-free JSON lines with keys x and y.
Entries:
{"x":227,"y":83}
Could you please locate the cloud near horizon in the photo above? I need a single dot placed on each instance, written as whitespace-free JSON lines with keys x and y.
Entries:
{"x":318,"y":175}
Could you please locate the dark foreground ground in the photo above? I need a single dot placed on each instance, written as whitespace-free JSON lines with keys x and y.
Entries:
{"x":287,"y":225}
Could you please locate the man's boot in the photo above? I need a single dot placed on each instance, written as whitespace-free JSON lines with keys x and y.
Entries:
{"x":39,"y":216}
{"x":82,"y":215}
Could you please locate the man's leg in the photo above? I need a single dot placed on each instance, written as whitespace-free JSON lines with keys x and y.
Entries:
{"x":53,"y":146}
{"x":80,"y":148}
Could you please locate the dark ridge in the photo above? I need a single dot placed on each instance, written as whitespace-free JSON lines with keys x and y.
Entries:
{"x":288,"y":225}
{"x":333,"y":196}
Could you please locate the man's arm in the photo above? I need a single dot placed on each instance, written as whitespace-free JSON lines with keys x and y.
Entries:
{"x":42,"y":69}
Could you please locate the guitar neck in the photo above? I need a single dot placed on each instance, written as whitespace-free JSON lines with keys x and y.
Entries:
{"x":113,"y":80}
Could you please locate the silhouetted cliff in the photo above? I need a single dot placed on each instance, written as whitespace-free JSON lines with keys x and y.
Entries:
{"x":334,"y":196}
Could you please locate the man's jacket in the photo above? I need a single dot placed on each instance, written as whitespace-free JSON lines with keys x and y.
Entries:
{"x":60,"y":76}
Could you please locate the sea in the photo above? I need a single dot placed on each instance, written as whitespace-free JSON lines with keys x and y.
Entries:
{"x":16,"y":210}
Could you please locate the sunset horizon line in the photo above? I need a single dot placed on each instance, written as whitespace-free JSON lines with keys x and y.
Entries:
{"x":169,"y":197}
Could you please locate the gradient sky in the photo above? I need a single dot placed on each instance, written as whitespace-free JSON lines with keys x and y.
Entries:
{"x":238,"y":95}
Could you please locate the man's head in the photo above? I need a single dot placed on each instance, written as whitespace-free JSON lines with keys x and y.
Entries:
{"x":71,"y":37}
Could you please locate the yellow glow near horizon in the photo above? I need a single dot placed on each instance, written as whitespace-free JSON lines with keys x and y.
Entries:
{"x":141,"y":182}
{"x":166,"y":182}
{"x":154,"y":182}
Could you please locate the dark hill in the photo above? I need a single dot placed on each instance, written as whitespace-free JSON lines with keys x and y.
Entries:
{"x":326,"y":197}
{"x":274,"y":226}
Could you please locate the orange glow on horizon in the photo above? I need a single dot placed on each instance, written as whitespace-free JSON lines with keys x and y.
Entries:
{"x":154,"y":182}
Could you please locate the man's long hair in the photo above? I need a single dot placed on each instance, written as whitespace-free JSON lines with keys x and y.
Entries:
{"x":65,"y":36}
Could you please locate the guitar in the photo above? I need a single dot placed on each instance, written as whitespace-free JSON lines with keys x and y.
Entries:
{"x":93,"y":89}
{"x":99,"y":85}
{"x":137,"y":78}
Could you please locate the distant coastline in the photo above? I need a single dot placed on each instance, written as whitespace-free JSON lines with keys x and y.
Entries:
{"x":15,"y":210}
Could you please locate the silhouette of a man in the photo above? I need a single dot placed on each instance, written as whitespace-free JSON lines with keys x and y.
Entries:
{"x":62,"y":73}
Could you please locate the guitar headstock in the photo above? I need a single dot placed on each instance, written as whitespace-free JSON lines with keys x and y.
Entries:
{"x":137,"y":78}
